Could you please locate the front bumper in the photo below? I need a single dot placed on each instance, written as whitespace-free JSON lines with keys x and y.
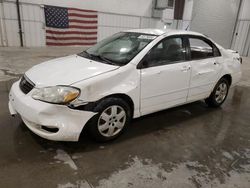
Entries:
{"x":37,"y":115}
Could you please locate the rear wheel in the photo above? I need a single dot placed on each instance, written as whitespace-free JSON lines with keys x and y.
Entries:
{"x":113,"y":116}
{"x":219,"y":94}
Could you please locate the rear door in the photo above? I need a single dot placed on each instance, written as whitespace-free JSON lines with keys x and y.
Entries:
{"x":206,"y":63}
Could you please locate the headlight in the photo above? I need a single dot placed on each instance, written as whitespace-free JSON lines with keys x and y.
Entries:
{"x":56,"y":94}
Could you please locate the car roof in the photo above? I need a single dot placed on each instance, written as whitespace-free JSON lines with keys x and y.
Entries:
{"x":159,"y":32}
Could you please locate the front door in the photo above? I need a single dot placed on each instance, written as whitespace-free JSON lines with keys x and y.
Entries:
{"x":165,"y":76}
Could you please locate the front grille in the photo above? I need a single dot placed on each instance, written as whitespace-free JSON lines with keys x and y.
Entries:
{"x":26,"y":85}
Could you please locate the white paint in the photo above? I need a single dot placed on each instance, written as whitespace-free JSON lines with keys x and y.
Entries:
{"x":80,"y":69}
{"x":155,"y":96}
{"x":193,"y":80}
{"x":69,"y":122}
{"x":65,"y":158}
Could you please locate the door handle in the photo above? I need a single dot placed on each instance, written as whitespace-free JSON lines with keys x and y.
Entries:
{"x":216,"y":63}
{"x":185,"y":68}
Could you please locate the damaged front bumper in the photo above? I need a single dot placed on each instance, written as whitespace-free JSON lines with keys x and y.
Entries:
{"x":50,"y":121}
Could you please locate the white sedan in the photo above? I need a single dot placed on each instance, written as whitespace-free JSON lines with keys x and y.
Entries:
{"x":125,"y":76}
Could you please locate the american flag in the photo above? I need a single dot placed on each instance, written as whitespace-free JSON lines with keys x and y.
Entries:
{"x":70,"y":26}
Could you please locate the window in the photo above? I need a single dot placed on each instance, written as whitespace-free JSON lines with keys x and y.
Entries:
{"x":168,"y":51}
{"x":201,"y":49}
{"x":119,"y":48}
{"x":163,"y":4}
{"x":170,"y":3}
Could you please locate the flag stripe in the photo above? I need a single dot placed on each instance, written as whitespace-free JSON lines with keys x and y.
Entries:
{"x":82,"y":10}
{"x":71,"y":38}
{"x":82,"y":15}
{"x":70,"y":32}
{"x":82,"y":27}
{"x":70,"y":44}
{"x":70,"y":41}
{"x":83,"y":21}
{"x":79,"y":18}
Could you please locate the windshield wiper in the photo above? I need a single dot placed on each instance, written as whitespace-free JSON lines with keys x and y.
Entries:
{"x":102,"y":58}
{"x":106,"y":60}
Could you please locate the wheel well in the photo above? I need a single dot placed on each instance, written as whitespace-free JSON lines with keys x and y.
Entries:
{"x":228,"y":77}
{"x":126,"y":98}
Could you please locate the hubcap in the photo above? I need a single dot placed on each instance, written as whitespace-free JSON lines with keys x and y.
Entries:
{"x":221,"y":93}
{"x":111,"y":121}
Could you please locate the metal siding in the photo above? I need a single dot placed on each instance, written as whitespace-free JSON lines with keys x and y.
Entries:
{"x":1,"y":25}
{"x":247,"y":43}
{"x":235,"y":40}
{"x":145,"y":22}
{"x":241,"y":42}
{"x":243,"y":36}
{"x":151,"y":23}
{"x":12,"y":32}
{"x":215,"y":19}
{"x":109,"y":23}
{"x":11,"y":24}
{"x":33,"y":25}
{"x":1,"y":43}
{"x":9,"y":10}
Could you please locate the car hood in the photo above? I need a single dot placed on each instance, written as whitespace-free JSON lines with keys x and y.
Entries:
{"x":66,"y":71}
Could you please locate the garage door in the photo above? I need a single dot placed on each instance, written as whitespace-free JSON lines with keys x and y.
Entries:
{"x":215,"y":19}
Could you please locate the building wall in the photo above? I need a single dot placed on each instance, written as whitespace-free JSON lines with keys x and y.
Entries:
{"x":129,"y":7}
{"x":33,"y":22}
{"x":241,"y":41}
{"x":122,"y":15}
{"x":1,"y":23}
{"x":215,"y":19}
{"x":184,"y":24}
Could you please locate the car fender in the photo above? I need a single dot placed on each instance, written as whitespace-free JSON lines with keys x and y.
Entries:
{"x":232,"y":65}
{"x":125,"y":80}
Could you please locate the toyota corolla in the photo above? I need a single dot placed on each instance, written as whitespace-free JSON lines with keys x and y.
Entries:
{"x":125,"y":76}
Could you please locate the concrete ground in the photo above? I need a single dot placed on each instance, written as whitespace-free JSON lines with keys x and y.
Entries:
{"x":184,"y":147}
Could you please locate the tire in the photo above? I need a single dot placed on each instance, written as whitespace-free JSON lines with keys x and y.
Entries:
{"x":114,"y":114}
{"x":219,"y":94}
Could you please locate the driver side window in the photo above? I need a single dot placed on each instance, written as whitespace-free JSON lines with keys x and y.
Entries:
{"x":168,"y":51}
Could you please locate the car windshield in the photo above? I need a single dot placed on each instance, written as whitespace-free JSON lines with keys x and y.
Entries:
{"x":118,"y":49}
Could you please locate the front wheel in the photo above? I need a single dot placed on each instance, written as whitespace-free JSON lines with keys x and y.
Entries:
{"x":113,"y":116}
{"x":219,"y":94}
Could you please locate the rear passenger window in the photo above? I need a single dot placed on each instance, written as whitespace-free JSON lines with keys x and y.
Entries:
{"x":200,"y":49}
